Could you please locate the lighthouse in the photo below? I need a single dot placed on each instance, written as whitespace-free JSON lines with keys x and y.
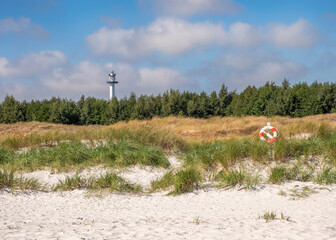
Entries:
{"x":112,"y":81}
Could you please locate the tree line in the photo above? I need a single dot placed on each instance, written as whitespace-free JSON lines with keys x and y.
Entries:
{"x":298,"y":100}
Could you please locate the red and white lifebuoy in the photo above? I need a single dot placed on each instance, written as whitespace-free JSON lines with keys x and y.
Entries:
{"x":265,"y":131}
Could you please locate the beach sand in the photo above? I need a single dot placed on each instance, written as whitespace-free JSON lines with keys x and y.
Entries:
{"x":212,"y":214}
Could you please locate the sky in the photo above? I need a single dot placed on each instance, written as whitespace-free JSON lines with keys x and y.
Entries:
{"x":67,"y":48}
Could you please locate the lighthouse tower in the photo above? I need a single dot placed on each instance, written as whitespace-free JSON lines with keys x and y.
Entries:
{"x":112,"y":83}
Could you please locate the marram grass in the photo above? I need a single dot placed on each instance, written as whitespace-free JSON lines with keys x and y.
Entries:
{"x":71,"y":183}
{"x":108,"y":181}
{"x":70,"y":156}
{"x":145,"y":135}
{"x":8,"y":180}
{"x":182,"y":181}
{"x":113,"y":183}
{"x":234,"y":178}
{"x":282,"y":174}
{"x":327,"y":176}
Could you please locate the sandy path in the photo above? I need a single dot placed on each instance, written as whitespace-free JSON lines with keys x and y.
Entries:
{"x":214,"y":214}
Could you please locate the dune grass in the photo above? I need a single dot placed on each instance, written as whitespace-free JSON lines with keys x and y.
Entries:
{"x":268,"y":216}
{"x":6,"y":155}
{"x":328,"y":176}
{"x":294,"y":148}
{"x":148,"y":136}
{"x":203,"y":144}
{"x":8,"y":180}
{"x":225,"y":153}
{"x":281,"y":174}
{"x":125,"y":154}
{"x":234,"y":178}
{"x":71,"y":183}
{"x":164,"y":183}
{"x":186,"y":180}
{"x":183,"y":181}
{"x":71,"y":156}
{"x":113,"y":183}
{"x":108,"y":181}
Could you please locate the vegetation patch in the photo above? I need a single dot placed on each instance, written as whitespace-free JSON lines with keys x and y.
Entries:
{"x":226,"y":153}
{"x":108,"y":181}
{"x":8,"y":180}
{"x":328,"y":176}
{"x":6,"y":155}
{"x":184,"y":180}
{"x":234,"y":178}
{"x":281,"y":174}
{"x":268,"y":216}
{"x":294,"y":148}
{"x":164,"y":183}
{"x":70,"y":156}
{"x":71,"y":183}
{"x":303,"y":192}
{"x":113,"y":183}
{"x":125,"y":153}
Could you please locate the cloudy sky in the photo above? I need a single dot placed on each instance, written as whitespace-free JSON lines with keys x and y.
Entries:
{"x":66,"y":48}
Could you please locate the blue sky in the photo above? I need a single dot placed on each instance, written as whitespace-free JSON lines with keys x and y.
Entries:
{"x":67,"y":48}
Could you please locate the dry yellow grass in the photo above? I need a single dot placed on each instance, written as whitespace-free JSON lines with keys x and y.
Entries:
{"x":217,"y":128}
{"x":190,"y":129}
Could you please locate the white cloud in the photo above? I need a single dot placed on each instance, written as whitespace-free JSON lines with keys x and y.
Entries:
{"x":81,"y":78}
{"x":33,"y":64}
{"x":22,"y":25}
{"x":89,"y":78}
{"x":174,"y":36}
{"x":47,"y":73}
{"x":243,"y":35}
{"x":190,"y":7}
{"x":251,"y":68}
{"x":17,"y":89}
{"x":299,"y":34}
{"x":161,"y":79}
{"x":167,"y":35}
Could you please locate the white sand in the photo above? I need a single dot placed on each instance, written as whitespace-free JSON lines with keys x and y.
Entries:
{"x":211,"y":214}
{"x":214,"y":214}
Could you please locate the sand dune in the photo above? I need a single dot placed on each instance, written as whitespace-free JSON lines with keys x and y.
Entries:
{"x":303,"y":211}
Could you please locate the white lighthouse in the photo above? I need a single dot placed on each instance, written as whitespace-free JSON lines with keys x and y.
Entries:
{"x":112,"y":83}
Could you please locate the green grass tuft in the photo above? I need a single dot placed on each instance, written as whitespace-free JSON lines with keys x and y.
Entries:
{"x":71,"y":156}
{"x":233,"y":178}
{"x":71,"y":183}
{"x":226,"y":153}
{"x":183,"y":181}
{"x":113,"y":183}
{"x":326,"y":177}
{"x":163,"y":183}
{"x":124,"y":154}
{"x":186,"y":180}
{"x":269,"y":216}
{"x":281,"y":174}
{"x":8,"y":180}
{"x":6,"y":155}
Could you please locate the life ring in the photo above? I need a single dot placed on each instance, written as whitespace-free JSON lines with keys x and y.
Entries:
{"x":265,"y":131}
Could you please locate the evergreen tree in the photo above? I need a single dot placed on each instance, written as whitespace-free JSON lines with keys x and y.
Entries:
{"x":224,"y":100}
{"x":213,"y":104}
{"x":10,"y":110}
